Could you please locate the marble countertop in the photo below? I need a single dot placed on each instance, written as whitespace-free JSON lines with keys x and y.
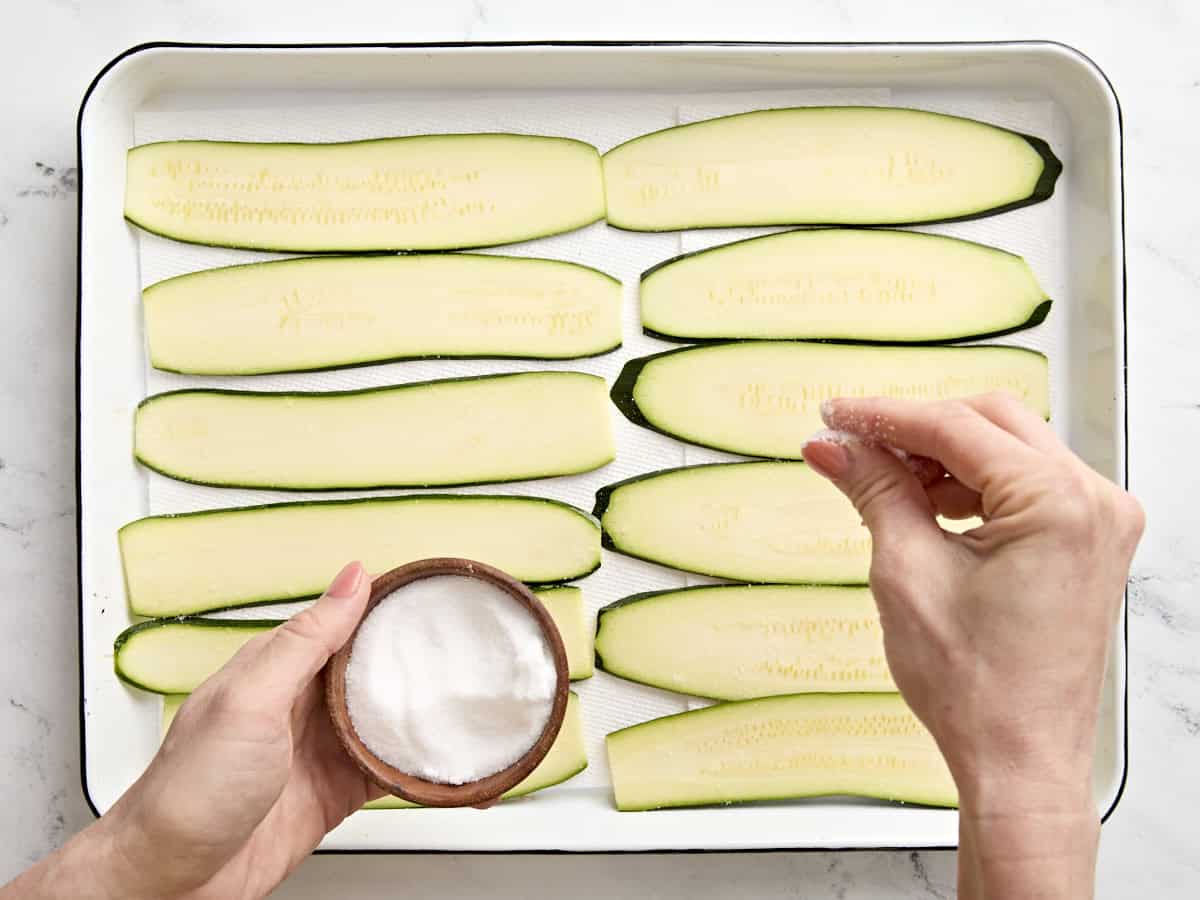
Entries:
{"x":49,"y":52}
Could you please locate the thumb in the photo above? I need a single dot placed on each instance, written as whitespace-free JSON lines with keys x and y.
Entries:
{"x":889,"y":497}
{"x":292,"y":654}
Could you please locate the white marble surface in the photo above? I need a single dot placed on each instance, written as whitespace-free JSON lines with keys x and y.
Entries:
{"x":49,"y":52}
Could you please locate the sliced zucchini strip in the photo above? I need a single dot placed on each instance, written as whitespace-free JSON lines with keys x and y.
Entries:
{"x":844,"y":284}
{"x":565,"y":605}
{"x":456,"y":431}
{"x":426,"y":192}
{"x":734,"y":642}
{"x":848,"y":165}
{"x":221,"y":558}
{"x":776,"y":748}
{"x":763,"y":398}
{"x":764,"y":522}
{"x":326,"y":312}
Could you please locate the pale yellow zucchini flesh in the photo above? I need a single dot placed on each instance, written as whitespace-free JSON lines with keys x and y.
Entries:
{"x":777,"y":748}
{"x":824,"y":165}
{"x":763,"y":398}
{"x":566,"y":758}
{"x":176,"y":565}
{"x":565,"y":605}
{"x":324,"y":312}
{"x":458,"y":431}
{"x":171,"y":704}
{"x":851,"y":284}
{"x":175,"y":656}
{"x":426,"y":192}
{"x":735,"y":642}
{"x":756,"y":522}
{"x":765,"y":522}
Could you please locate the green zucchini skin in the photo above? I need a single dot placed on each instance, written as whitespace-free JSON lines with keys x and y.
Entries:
{"x":1036,"y":316}
{"x":622,"y":389}
{"x":605,"y":493}
{"x":370,"y":248}
{"x":630,"y":600}
{"x":622,"y":392}
{"x":337,"y":485}
{"x":351,"y":392}
{"x":396,"y":359}
{"x":352,"y":501}
{"x":152,"y":606}
{"x":300,"y":263}
{"x":1043,"y":189}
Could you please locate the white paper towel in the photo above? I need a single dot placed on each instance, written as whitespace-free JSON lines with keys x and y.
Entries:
{"x":604,"y":120}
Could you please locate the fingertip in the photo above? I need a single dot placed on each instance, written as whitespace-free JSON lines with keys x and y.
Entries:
{"x":826,"y":458}
{"x":347,"y":582}
{"x":343,"y":604}
{"x":341,"y":607}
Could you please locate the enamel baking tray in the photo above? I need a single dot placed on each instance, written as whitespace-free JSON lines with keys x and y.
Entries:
{"x":604,"y":93}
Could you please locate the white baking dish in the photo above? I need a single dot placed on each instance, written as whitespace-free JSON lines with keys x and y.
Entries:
{"x":1075,"y":242}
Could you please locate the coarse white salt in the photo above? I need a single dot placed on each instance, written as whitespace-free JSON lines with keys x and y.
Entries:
{"x":450,"y":679}
{"x":844,"y":438}
{"x":832,"y":436}
{"x":925,"y":469}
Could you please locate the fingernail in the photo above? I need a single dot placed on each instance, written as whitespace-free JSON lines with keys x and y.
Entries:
{"x":347,"y":581}
{"x":830,"y":460}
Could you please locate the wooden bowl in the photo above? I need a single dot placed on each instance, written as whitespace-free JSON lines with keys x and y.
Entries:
{"x":484,"y":791}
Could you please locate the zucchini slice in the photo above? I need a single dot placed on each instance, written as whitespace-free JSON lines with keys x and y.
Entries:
{"x":329,"y":312}
{"x":174,"y":656}
{"x":772,"y":522}
{"x":565,"y":605}
{"x":171,"y":704}
{"x":222,"y":558}
{"x":566,"y":758}
{"x":832,"y":165}
{"x":734,"y":642}
{"x":456,"y":431}
{"x":426,"y":192}
{"x":844,"y":284}
{"x":297,"y":315}
{"x":776,"y":748}
{"x":763,"y":398}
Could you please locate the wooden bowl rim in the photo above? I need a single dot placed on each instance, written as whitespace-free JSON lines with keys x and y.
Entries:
{"x":486,"y":790}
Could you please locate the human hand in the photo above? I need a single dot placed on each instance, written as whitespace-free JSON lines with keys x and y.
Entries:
{"x":998,"y":638}
{"x":248,"y":780}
